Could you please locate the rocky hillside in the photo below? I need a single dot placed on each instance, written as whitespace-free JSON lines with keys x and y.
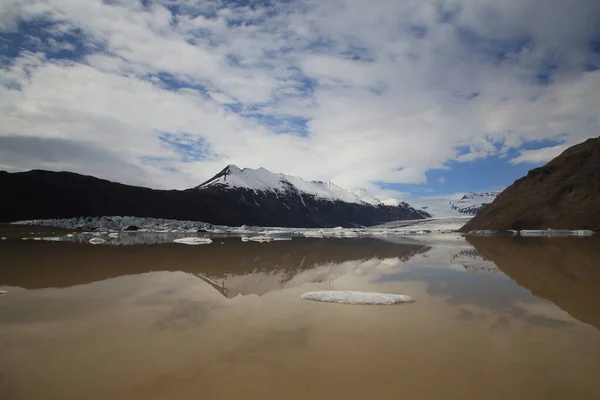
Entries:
{"x":44,"y":194}
{"x":563,"y":194}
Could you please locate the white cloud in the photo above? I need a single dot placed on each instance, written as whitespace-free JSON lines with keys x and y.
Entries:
{"x":538,"y":155}
{"x":387,"y":92}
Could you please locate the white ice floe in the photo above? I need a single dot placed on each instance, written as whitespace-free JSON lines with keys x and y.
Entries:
{"x":245,"y":238}
{"x":193,"y":240}
{"x":279,"y":233}
{"x":494,"y":233}
{"x":52,"y":239}
{"x":316,"y":234}
{"x":3,"y":292}
{"x":354,"y":297}
{"x":96,"y":240}
{"x":113,"y":235}
{"x":555,"y":232}
{"x":261,"y":239}
{"x":4,"y":238}
{"x":70,"y":235}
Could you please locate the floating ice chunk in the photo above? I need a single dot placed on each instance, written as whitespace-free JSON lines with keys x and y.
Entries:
{"x":555,"y":232}
{"x":193,"y":240}
{"x":245,"y":239}
{"x":3,"y":292}
{"x":583,"y":232}
{"x":494,"y":232}
{"x":4,"y":238}
{"x":316,"y":234}
{"x":96,"y":240}
{"x":261,"y":239}
{"x":354,"y":297}
{"x":52,"y":239}
{"x":113,"y":235}
{"x":278,"y":233}
{"x":70,"y":235}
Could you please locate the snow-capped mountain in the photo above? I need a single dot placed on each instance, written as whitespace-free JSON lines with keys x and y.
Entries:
{"x":263,"y":180}
{"x":465,"y":205}
{"x":473,"y":203}
{"x":233,"y":197}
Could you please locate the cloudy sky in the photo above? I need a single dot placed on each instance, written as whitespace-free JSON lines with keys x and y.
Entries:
{"x":412,"y":97}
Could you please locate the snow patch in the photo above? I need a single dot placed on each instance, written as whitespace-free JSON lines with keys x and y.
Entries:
{"x":355,"y":297}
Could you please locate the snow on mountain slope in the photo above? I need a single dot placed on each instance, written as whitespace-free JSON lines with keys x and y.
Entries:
{"x":262,"y":179}
{"x":472,"y":203}
{"x":464,"y":205}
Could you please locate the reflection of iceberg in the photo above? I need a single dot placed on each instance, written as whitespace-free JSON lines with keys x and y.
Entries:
{"x":353,"y":297}
{"x":563,"y":270}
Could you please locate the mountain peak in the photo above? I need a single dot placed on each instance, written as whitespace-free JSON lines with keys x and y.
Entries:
{"x":232,"y":168}
{"x":263,"y":180}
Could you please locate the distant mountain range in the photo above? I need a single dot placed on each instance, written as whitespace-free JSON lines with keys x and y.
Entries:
{"x":232,"y":197}
{"x":471,"y":203}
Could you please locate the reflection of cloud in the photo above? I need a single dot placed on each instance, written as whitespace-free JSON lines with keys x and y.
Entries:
{"x":271,"y":341}
{"x":503,"y":319}
{"x":185,"y":314}
{"x":264,"y":282}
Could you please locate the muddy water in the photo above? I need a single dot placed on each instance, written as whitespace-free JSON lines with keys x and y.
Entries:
{"x":495,"y":318}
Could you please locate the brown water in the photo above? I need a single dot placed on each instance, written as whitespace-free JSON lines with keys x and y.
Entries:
{"x":225,"y":321}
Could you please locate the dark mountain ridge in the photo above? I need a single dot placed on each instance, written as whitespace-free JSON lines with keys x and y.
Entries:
{"x":39,"y":194}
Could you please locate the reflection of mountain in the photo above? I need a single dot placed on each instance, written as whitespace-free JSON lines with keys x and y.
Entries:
{"x":565,"y":271}
{"x":473,"y":261}
{"x":35,"y":265}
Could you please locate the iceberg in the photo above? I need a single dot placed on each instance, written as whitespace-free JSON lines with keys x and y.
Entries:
{"x":193,"y":240}
{"x":355,"y":297}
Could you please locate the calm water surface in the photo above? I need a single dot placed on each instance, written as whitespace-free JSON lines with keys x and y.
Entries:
{"x":505,"y":318}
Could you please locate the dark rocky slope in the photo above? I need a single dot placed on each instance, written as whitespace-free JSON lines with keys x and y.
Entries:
{"x":43,"y":194}
{"x":563,"y":194}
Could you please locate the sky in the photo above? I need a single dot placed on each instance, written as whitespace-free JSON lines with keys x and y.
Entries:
{"x":413,"y":98}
